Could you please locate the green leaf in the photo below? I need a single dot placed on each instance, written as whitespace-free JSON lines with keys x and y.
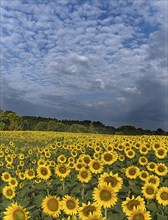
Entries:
{"x":38,"y":199}
{"x":161,"y":217}
{"x":152,"y":207}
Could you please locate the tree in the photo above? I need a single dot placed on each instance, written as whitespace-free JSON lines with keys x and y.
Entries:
{"x":41,"y":126}
{"x":78,"y":128}
{"x":3,"y":126}
{"x":52,"y":126}
{"x":60,"y":126}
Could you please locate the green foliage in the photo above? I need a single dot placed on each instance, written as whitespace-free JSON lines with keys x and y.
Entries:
{"x":9,"y":120}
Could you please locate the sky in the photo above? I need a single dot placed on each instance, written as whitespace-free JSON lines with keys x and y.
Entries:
{"x":86,"y":60}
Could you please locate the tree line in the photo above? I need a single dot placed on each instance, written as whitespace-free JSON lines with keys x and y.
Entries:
{"x":10,"y":121}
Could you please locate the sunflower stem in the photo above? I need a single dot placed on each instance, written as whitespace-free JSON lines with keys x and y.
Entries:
{"x":105,"y":211}
{"x":83,"y":190}
{"x":63,"y":185}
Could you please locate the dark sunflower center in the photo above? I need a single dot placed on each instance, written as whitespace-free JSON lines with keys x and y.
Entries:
{"x":160,"y":169}
{"x":152,"y":166}
{"x":149,"y":190}
{"x":164,"y":196}
{"x":138,"y":217}
{"x":152,"y":180}
{"x":88,"y":209}
{"x":144,"y":149}
{"x":160,"y":152}
{"x":6,"y":176}
{"x":96,"y":165}
{"x":105,"y":195}
{"x":70,"y":204}
{"x":62,"y":158}
{"x":18,"y":215}
{"x":86,"y":160}
{"x":9,"y":192}
{"x":144,"y":175}
{"x":13,"y":182}
{"x":143,"y":160}
{"x":52,"y":204}
{"x":132,"y":171}
{"x":44,"y":171}
{"x":112,"y":180}
{"x":130,"y":153}
{"x":108,"y":157}
{"x":79,"y":166}
{"x":62,"y":170}
{"x":30,"y":173}
{"x":133,"y":203}
{"x":84,"y":174}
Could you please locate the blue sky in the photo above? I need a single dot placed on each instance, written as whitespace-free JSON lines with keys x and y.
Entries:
{"x":97,"y":60}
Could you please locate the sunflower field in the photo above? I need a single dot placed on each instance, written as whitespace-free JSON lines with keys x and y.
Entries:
{"x":49,"y":175}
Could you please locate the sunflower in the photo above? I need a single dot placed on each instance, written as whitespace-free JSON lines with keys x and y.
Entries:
{"x":161,"y":169}
{"x":109,"y":148}
{"x":40,"y":162}
{"x":13,"y":182}
{"x":86,"y":159}
{"x":8,"y":192}
{"x":62,"y":170}
{"x":121,"y":157}
{"x":120,"y":147}
{"x":95,"y":216}
{"x":79,"y":166}
{"x":97,"y":149}
{"x":143,"y":175}
{"x":143,"y":160}
{"x":109,"y":158}
{"x":143,"y":150}
{"x":70,"y":205}
{"x":74,"y":153}
{"x":51,"y":206}
{"x":105,"y":196}
{"x":130,"y":154}
{"x":151,"y":166}
{"x":96,"y":166}
{"x":96,"y":155}
{"x":2,"y":154}
{"x":111,"y":179}
{"x":162,"y":196}
{"x":139,"y":214}
{"x":84,"y":175}
{"x":71,"y":159}
{"x":61,"y":158}
{"x":15,"y":212}
{"x":161,"y":153}
{"x":43,"y":172}
{"x":19,"y":167}
{"x":153,"y":180}
{"x":132,"y":172}
{"x":21,"y":175}
{"x":47,"y":154}
{"x":149,"y":190}
{"x":130,"y":203}
{"x":71,"y":165}
{"x":30,"y":174}
{"x":88,"y":208}
{"x":21,"y":156}
{"x":6,"y":176}
{"x":9,"y":159}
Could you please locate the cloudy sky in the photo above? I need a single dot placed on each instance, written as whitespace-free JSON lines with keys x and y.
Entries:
{"x":86,"y":59}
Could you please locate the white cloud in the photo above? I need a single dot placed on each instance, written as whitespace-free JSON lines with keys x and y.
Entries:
{"x":70,"y":50}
